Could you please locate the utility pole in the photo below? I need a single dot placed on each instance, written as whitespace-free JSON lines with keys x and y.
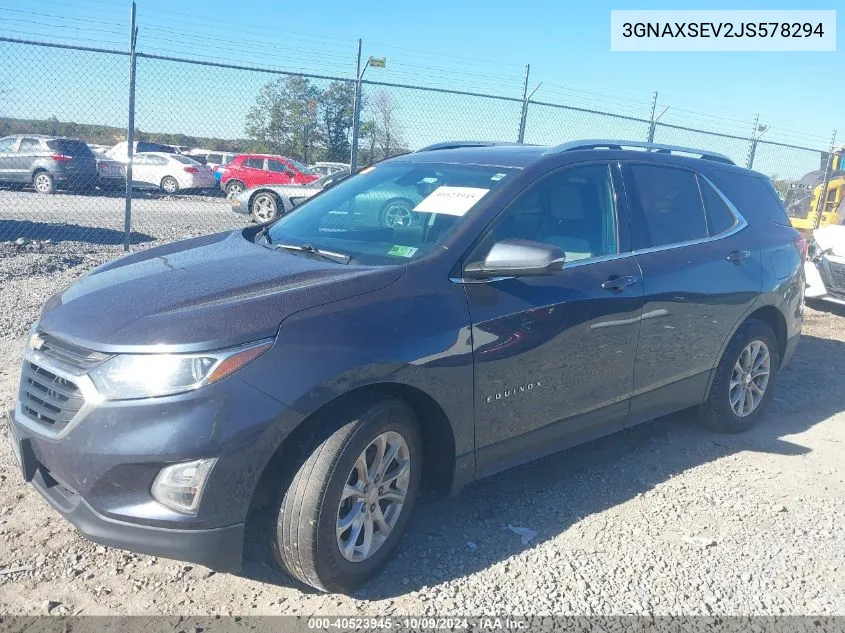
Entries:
{"x":653,"y":122}
{"x":356,"y":114}
{"x":821,"y":203}
{"x":752,"y":149}
{"x":130,"y":133}
{"x":521,"y":136}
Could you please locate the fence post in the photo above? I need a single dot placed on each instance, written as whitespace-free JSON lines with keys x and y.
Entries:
{"x":752,"y":148}
{"x":522,"y":117}
{"x":356,"y":115}
{"x":822,"y":201}
{"x":130,"y":134}
{"x":653,"y":122}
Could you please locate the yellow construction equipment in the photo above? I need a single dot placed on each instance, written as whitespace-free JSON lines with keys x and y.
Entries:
{"x":803,"y":198}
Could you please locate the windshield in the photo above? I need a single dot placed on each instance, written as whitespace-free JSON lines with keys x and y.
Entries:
{"x":391,"y":213}
{"x":303,"y":169}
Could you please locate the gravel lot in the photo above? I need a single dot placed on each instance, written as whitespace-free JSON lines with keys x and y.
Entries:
{"x":666,"y":518}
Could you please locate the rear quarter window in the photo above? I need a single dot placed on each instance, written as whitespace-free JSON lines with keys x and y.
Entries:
{"x":753,"y":195}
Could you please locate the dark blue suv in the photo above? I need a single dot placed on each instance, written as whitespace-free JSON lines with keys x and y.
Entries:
{"x":327,"y":367}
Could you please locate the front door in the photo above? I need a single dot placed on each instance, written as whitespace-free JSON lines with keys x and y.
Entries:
{"x":554,"y":355}
{"x":7,"y":154}
{"x":701,"y":273}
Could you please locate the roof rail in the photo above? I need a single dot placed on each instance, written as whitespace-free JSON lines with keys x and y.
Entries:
{"x":458,"y":144}
{"x":656,"y":147}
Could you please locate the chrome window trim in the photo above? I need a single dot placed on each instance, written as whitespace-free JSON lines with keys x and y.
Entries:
{"x":739,"y":224}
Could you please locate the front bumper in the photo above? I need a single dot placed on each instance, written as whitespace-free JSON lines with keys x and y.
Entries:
{"x":240,"y":202}
{"x":217,"y":548}
{"x":98,"y":471}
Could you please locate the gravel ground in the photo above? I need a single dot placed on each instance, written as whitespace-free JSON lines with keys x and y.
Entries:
{"x":666,"y":518}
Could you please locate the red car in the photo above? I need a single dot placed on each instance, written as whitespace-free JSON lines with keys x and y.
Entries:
{"x":251,"y":170}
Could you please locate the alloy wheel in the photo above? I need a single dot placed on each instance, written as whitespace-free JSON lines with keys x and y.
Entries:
{"x":750,"y":378}
{"x":373,"y":496}
{"x":264,"y":208}
{"x":43,"y":182}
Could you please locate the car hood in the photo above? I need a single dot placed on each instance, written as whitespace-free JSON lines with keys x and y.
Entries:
{"x":831,"y":239}
{"x":200,"y":294}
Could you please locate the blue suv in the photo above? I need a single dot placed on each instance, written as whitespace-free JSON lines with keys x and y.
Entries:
{"x":326,"y":367}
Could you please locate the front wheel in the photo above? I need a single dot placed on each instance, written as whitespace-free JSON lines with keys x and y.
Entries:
{"x":744,"y":380}
{"x":344,"y":512}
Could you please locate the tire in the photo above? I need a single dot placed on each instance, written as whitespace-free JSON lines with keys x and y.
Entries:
{"x":43,"y":182}
{"x":395,"y":210}
{"x":719,"y":412}
{"x":265,"y":207}
{"x":306,"y":543}
{"x":169,"y":185}
{"x":234,"y":187}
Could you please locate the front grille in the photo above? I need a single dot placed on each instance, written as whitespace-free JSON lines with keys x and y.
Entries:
{"x":48,"y":398}
{"x":73,"y":357}
{"x":837,"y":277}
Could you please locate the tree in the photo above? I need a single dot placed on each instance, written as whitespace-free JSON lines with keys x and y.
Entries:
{"x":387,"y":133}
{"x":284,"y":119}
{"x":336,"y":107}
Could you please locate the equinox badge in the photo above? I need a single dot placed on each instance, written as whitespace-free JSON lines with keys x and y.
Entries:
{"x":510,"y":392}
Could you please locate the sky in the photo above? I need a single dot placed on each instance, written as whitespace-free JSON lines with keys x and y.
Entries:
{"x":470,"y":46}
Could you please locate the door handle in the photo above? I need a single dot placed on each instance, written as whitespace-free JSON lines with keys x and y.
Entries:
{"x":615,"y":283}
{"x":737,"y":256}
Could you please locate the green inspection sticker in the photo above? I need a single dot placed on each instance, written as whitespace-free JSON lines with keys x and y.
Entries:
{"x":402,"y":251}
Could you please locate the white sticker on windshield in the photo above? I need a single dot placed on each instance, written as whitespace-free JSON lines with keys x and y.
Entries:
{"x":451,"y":200}
{"x":497,"y":177}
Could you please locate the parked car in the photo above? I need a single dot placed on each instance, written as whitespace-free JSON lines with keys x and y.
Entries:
{"x":326,"y":371}
{"x":47,"y":162}
{"x":267,"y":202}
{"x":825,"y":265}
{"x":250,"y":170}
{"x":169,"y":172}
{"x":325,"y":168}
{"x":111,"y":174}
{"x":120,"y":152}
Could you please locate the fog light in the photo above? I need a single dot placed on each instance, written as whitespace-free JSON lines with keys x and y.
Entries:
{"x":180,"y":486}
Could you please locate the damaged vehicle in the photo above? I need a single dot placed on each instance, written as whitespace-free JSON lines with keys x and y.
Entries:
{"x":825,"y":265}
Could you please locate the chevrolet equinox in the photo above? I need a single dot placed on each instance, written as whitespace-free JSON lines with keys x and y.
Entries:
{"x":326,"y":366}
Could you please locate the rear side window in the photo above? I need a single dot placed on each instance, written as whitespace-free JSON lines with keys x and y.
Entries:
{"x":255,"y":163}
{"x":29,"y":145}
{"x":720,"y":218}
{"x":754,"y":196}
{"x":70,"y":147}
{"x":7,"y":144}
{"x":666,"y":205}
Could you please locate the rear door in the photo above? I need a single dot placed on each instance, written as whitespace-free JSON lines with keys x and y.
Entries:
{"x":554,"y":355}
{"x":701,"y":272}
{"x":252,"y":172}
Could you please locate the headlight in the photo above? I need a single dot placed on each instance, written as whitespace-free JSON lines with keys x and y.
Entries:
{"x":128,"y":376}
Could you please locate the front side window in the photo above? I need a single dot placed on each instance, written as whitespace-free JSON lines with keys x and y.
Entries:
{"x":389,"y":214}
{"x":666,"y":205}
{"x":277,"y":166}
{"x":301,"y":168}
{"x":572,"y":209}
{"x":254,"y":163}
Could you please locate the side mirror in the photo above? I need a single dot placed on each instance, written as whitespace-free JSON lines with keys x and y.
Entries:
{"x":517,"y":258}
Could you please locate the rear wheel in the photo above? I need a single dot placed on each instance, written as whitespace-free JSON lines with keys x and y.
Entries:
{"x":43,"y":182}
{"x":169,"y":184}
{"x":344,"y":512}
{"x":234,"y":187}
{"x":744,"y":380}
{"x":265,"y":207}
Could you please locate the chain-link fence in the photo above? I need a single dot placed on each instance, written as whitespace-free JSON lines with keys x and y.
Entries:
{"x":192,"y":117}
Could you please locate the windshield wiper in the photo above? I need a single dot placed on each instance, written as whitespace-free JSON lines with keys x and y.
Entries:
{"x":332,"y":256}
